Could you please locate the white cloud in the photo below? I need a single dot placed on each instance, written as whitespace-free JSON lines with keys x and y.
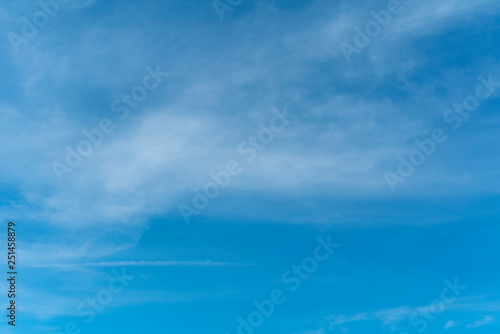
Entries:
{"x":138,"y":264}
{"x":483,"y":322}
{"x":451,"y":323}
{"x":342,"y":319}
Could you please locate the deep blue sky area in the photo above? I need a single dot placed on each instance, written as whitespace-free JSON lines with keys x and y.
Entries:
{"x":241,"y":167}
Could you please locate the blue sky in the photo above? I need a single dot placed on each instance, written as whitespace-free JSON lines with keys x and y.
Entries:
{"x":223,"y":82}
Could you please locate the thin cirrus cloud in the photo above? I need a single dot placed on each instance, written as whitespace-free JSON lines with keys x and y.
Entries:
{"x":139,"y":264}
{"x":134,"y":174}
{"x":225,"y":78}
{"x":450,"y":324}
{"x":487,"y":320}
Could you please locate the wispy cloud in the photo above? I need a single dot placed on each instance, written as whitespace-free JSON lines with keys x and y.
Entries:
{"x":139,"y":264}
{"x":450,"y":324}
{"x":342,"y":319}
{"x":395,"y":315}
{"x":387,"y":317}
{"x":483,"y":322}
{"x":319,"y":331}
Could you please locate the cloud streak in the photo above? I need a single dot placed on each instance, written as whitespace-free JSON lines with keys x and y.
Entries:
{"x":483,"y":322}
{"x":140,"y":264}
